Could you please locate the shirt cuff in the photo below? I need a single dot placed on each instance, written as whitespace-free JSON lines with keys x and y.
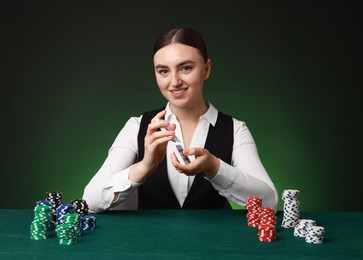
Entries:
{"x":225,"y":177}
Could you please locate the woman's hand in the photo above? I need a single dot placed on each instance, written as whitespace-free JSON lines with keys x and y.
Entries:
{"x":204,"y":162}
{"x":155,"y":143}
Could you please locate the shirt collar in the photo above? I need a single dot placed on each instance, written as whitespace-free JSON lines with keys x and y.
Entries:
{"x":211,"y":114}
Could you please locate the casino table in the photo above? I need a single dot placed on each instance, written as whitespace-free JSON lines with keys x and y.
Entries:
{"x":182,"y":234}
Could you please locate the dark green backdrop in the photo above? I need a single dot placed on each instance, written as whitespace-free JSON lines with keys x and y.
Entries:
{"x":73,"y":73}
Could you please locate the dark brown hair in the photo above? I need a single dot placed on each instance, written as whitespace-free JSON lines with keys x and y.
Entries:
{"x":185,"y":36}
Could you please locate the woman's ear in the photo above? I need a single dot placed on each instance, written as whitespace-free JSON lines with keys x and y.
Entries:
{"x":208,"y":66}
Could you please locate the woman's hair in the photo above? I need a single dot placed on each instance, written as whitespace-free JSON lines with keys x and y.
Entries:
{"x":185,"y":36}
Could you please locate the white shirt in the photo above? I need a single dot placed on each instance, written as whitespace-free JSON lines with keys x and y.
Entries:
{"x":245,"y":177}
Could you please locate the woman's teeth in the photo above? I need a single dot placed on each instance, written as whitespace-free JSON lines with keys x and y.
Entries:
{"x":179,"y":91}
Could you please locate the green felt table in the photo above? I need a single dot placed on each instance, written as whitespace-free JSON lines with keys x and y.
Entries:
{"x":182,"y":234}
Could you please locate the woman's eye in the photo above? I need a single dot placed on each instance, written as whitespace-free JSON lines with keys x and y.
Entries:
{"x":187,"y":68}
{"x":163,"y":72}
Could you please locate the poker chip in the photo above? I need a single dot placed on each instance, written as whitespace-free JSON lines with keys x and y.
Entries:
{"x":266,"y":239}
{"x":43,"y":203}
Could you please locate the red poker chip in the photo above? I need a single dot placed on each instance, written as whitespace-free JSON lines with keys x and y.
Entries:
{"x":267,"y":215}
{"x":270,"y":223}
{"x":269,"y":233}
{"x":262,"y":215}
{"x":267,"y":239}
{"x":267,"y":226}
{"x":252,"y":216}
{"x":252,"y":208}
{"x":254,"y":198}
{"x":266,"y":209}
{"x":266,"y":222}
{"x":263,"y":233}
{"x":267,"y":218}
{"x":267,"y":236}
{"x":264,"y":226}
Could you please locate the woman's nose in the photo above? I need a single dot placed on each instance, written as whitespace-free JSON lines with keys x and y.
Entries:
{"x":175,"y":80}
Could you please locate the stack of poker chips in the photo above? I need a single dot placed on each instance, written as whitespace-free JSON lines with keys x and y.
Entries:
{"x":291,"y":208}
{"x":315,"y":235}
{"x":253,"y":203}
{"x":267,"y":225}
{"x":267,"y":216}
{"x":66,"y":234}
{"x":55,"y":199}
{"x":80,"y":207}
{"x":300,"y":229}
{"x":40,"y":225}
{"x":264,"y":218}
{"x":68,"y":220}
{"x":75,"y":220}
{"x":266,"y":232}
{"x":88,"y":222}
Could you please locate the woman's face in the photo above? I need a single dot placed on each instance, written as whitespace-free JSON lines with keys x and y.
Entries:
{"x":180,"y":72}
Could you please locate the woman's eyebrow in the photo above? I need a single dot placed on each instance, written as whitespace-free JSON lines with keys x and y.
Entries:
{"x":160,"y":66}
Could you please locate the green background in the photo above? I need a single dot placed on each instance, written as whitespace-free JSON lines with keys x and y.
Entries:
{"x":73,"y":73}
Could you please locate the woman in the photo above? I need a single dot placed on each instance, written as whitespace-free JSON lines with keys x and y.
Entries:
{"x":141,"y":162}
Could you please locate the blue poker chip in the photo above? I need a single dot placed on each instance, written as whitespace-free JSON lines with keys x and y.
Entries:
{"x":43,"y":203}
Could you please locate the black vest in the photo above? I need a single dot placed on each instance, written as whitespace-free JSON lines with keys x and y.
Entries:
{"x":157,"y":193}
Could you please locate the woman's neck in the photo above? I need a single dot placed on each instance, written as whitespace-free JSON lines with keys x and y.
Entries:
{"x":193,"y":113}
